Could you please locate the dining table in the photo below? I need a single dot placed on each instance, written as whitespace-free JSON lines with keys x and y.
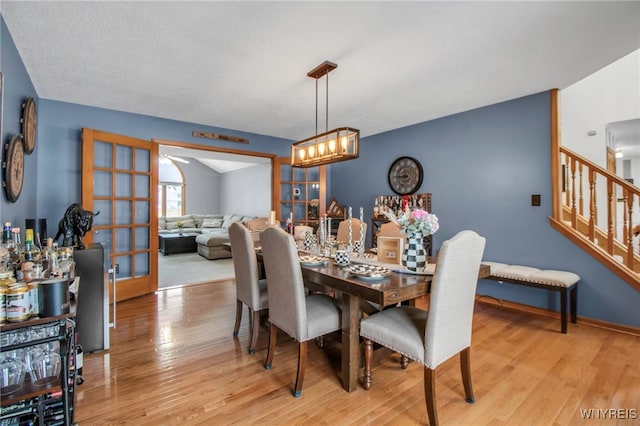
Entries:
{"x":400,"y":285}
{"x":395,"y":288}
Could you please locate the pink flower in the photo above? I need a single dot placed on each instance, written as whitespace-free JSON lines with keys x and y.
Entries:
{"x":418,"y":214}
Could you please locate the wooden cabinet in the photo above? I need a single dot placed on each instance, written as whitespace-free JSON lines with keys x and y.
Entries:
{"x":301,"y":192}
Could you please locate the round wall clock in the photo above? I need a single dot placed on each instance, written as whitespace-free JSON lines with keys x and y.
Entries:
{"x":405,"y":175}
{"x":29,"y":122}
{"x":14,"y":168}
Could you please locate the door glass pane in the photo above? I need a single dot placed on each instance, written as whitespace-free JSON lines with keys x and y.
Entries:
{"x":123,"y":240}
{"x":314,"y":191}
{"x":313,"y":174}
{"x":143,"y":160}
{"x":124,"y":263}
{"x":160,"y":200}
{"x":102,"y":154}
{"x":102,"y":184}
{"x":142,"y":264}
{"x":299,"y":211}
{"x":142,"y":186}
{"x":124,"y":159}
{"x":123,"y":185}
{"x":104,"y":207}
{"x":142,"y":215}
{"x":123,"y":213}
{"x":142,"y":238}
{"x":285,"y":192}
{"x":298,"y":174}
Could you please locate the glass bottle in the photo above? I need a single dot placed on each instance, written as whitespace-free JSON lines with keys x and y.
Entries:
{"x":15,"y":251}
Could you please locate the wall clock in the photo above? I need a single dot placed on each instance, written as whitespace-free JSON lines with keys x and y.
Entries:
{"x":405,"y":175}
{"x":14,"y":168}
{"x":29,"y":122}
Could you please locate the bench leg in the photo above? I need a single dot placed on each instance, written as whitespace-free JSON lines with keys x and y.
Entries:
{"x":574,"y":304}
{"x":563,"y":310}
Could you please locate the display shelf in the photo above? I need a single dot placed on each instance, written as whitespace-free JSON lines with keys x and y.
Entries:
{"x":54,"y":400}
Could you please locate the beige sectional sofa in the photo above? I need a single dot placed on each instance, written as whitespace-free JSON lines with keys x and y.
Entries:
{"x":213,"y":230}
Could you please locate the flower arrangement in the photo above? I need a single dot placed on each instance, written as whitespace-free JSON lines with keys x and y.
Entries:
{"x":180,"y":225}
{"x":413,"y":221}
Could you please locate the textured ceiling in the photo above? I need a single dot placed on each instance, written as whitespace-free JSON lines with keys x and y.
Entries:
{"x":242,"y":65}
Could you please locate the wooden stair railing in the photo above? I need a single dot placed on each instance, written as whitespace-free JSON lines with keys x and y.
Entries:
{"x":602,"y":210}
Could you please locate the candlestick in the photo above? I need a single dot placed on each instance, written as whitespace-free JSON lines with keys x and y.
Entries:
{"x":350,"y":228}
{"x":272,"y":218}
{"x":361,"y":248}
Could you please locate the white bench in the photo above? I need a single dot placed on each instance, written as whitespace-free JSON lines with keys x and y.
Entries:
{"x":559,"y":281}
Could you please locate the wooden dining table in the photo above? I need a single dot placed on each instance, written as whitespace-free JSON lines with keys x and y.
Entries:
{"x":396,"y":288}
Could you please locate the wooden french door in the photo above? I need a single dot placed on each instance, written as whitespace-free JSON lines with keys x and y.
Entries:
{"x":119,"y":179}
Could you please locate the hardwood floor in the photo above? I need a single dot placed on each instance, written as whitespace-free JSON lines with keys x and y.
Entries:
{"x":173,"y":361}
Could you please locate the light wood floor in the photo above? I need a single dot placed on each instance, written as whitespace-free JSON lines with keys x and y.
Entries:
{"x":173,"y":361}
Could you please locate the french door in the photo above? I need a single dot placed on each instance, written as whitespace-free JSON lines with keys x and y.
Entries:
{"x":119,"y":179}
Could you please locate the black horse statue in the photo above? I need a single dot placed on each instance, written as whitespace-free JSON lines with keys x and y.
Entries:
{"x":75,"y":223}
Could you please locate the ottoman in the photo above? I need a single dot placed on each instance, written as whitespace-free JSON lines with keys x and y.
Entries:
{"x":210,"y":245}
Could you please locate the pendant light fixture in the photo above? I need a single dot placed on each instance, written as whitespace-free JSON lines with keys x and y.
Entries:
{"x":339,"y":144}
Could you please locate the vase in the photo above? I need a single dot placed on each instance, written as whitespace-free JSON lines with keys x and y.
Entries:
{"x":414,"y":256}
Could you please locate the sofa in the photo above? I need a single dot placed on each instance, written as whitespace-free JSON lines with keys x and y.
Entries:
{"x":212,"y":230}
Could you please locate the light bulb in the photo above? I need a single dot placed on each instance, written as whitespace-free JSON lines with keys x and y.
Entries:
{"x":312,"y":151}
{"x":344,"y":142}
{"x":332,"y":146}
{"x":321,"y":149}
{"x":301,"y":154}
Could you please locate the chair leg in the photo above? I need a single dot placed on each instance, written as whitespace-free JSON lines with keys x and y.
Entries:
{"x":430,"y":395}
{"x":273,"y":332}
{"x":255,"y":328}
{"x":302,"y":366}
{"x":404,"y":362}
{"x":465,"y":368}
{"x":368,"y":358}
{"x":236,"y":329}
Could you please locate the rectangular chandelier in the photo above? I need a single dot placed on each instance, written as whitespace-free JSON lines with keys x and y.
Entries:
{"x":330,"y":147}
{"x":340,"y":144}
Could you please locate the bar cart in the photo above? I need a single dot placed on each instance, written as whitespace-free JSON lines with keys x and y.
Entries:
{"x":40,"y":401}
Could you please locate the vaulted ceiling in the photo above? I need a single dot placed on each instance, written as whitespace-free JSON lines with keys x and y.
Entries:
{"x":243,"y":65}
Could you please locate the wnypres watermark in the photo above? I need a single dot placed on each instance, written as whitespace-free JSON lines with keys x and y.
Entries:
{"x":608,"y":413}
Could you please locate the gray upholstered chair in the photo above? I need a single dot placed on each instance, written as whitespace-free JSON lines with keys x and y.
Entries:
{"x":250,"y":290}
{"x":433,"y":337}
{"x":343,"y":230}
{"x":302,"y":317}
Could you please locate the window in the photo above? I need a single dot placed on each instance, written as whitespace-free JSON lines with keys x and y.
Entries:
{"x":171,"y":189}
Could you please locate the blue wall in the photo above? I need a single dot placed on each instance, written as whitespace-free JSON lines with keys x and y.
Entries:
{"x":17,"y":88}
{"x":481,"y":167}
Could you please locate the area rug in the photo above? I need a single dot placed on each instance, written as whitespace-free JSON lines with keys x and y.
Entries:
{"x":191,"y":268}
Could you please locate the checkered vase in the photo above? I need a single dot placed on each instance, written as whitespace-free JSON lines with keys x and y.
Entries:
{"x":309,"y":240}
{"x":414,"y":256}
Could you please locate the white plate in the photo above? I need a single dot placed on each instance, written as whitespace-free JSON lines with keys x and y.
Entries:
{"x":369,"y":272}
{"x":313,"y":260}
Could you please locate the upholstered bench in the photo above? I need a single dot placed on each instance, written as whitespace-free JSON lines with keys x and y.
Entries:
{"x":559,"y":281}
{"x":211,"y":245}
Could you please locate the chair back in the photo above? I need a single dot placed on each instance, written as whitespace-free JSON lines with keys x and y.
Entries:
{"x":452,"y":300}
{"x":287,"y":308}
{"x":245,"y":265}
{"x":343,"y":230}
{"x":390,"y":229}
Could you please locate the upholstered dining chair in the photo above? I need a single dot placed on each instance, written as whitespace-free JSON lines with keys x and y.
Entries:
{"x":343,"y":230}
{"x":390,"y":229}
{"x":250,"y":289}
{"x":302,"y":317}
{"x":432,"y":337}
